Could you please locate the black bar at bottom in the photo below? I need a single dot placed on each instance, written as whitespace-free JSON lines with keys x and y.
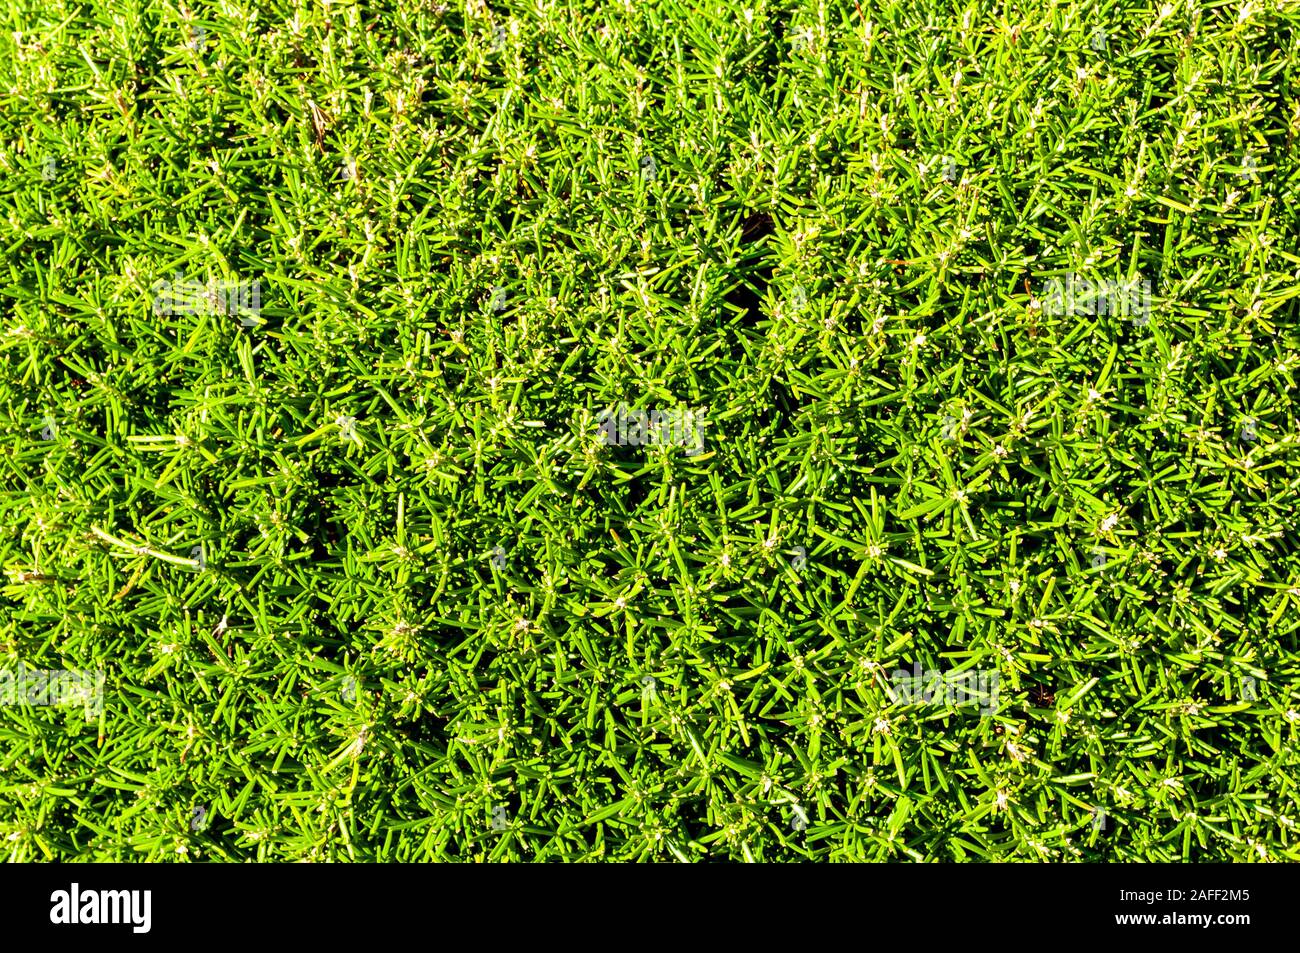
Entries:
{"x":340,"y":902}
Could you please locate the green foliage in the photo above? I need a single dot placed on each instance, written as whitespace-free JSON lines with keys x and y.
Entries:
{"x":435,"y":616}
